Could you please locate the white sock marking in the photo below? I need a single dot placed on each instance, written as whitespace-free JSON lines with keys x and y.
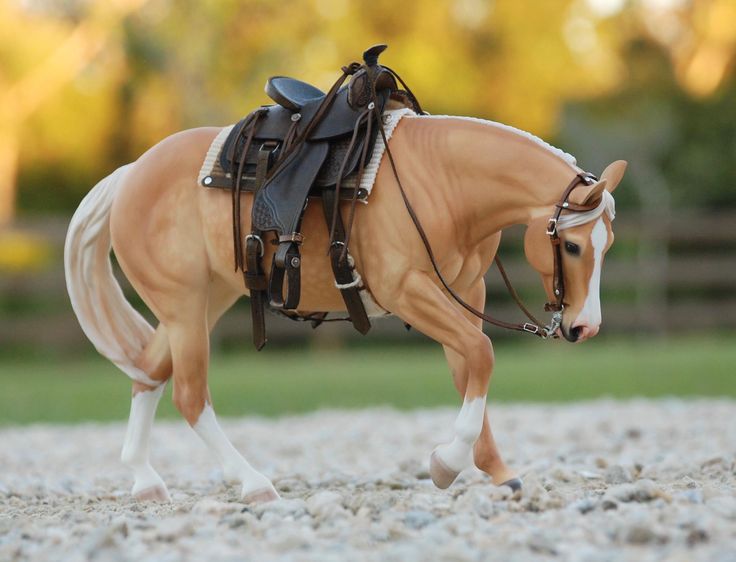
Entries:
{"x":235,"y":467}
{"x":457,"y":455}
{"x":136,"y":448}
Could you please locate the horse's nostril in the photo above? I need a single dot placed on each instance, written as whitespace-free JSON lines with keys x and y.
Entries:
{"x":575,"y":332}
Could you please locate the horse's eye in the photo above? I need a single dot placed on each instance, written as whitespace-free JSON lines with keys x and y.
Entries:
{"x":572,"y":249}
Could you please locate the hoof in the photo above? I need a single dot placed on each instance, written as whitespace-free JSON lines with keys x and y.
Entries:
{"x":513,"y":483}
{"x":441,"y":474}
{"x":262,"y":495}
{"x":153,"y":493}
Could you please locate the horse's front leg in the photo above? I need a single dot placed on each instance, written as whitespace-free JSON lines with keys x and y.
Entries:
{"x":485,"y":453}
{"x":423,"y":305}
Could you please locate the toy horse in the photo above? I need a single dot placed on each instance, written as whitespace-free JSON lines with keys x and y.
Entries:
{"x":438,"y":202}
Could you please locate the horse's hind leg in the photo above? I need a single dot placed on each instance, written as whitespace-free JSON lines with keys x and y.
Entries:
{"x":155,"y":361}
{"x":189,"y":341}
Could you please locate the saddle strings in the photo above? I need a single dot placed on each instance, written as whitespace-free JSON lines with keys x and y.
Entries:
{"x":341,"y":174}
{"x":354,"y":199}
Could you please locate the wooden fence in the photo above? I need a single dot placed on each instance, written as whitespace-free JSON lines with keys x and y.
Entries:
{"x":674,"y":276}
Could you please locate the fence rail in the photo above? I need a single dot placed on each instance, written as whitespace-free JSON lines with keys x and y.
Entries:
{"x":677,"y":277}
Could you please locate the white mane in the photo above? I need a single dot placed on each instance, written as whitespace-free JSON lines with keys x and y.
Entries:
{"x":561,"y":153}
{"x":568,"y":220}
{"x":571,"y":220}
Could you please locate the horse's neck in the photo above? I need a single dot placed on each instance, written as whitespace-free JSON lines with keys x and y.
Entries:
{"x":497,"y":177}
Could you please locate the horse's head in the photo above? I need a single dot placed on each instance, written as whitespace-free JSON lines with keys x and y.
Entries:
{"x":584,"y":239}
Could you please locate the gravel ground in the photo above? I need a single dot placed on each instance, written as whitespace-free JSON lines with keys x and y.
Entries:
{"x":604,"y":481}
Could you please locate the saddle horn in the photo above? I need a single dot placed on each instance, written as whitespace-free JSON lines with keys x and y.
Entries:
{"x":370,"y":56}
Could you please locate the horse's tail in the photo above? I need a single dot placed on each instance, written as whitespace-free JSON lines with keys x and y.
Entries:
{"x":115,"y":328}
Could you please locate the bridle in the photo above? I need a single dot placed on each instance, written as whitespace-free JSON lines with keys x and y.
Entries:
{"x":535,"y":327}
{"x":558,"y":278}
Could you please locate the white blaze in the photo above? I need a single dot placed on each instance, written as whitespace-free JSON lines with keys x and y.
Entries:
{"x":590,"y":315}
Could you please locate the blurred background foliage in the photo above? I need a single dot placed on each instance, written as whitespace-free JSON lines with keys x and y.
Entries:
{"x":88,"y":85}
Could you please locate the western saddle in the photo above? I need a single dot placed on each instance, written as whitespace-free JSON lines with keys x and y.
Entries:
{"x":314,"y":144}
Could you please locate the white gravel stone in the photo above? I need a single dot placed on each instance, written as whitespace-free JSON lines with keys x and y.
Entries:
{"x":214,"y":507}
{"x":325,"y":504}
{"x":617,"y":474}
{"x":604,"y":481}
{"x":724,"y":506}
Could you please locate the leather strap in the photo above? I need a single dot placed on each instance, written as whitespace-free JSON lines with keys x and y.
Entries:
{"x":286,"y":263}
{"x":342,"y":268}
{"x":255,"y":281}
{"x":534,"y":328}
{"x":253,"y":274}
{"x":248,"y":128}
{"x":512,"y":291}
{"x":414,"y":101}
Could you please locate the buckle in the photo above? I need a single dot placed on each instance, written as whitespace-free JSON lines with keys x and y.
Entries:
{"x":552,"y":226}
{"x":589,"y":179}
{"x":550,"y":332}
{"x":531,"y":328}
{"x":295,"y":237}
{"x":257,"y":239}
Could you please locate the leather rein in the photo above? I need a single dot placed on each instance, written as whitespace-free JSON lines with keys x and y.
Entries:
{"x":534,"y":327}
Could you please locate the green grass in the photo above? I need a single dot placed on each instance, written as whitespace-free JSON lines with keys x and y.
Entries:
{"x":279,"y":381}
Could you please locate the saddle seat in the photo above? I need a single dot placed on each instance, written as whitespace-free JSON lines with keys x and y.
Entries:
{"x":291,"y":93}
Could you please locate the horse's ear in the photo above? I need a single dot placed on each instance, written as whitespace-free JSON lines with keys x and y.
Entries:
{"x":589,"y":194}
{"x":613,"y":174}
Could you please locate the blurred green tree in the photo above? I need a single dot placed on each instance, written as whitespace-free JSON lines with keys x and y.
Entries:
{"x":86,"y":86}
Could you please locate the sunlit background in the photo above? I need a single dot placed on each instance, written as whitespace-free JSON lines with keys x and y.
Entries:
{"x":86,"y":86}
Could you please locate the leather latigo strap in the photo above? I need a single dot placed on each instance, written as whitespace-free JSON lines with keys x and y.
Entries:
{"x":247,"y":129}
{"x":253,"y":274}
{"x":342,"y":266}
{"x":255,"y":281}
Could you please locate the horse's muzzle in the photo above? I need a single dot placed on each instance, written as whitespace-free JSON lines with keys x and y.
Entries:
{"x":579,"y":333}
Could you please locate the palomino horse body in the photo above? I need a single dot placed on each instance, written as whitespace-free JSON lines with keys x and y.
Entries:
{"x":466,"y":179}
